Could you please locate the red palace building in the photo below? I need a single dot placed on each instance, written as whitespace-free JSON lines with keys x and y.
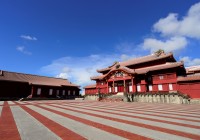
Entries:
{"x":19,"y":85}
{"x":148,"y":79}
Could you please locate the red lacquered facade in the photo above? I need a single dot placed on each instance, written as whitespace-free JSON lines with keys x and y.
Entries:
{"x":153,"y":73}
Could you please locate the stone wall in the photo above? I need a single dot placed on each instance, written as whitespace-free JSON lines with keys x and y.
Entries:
{"x":195,"y":101}
{"x":159,"y":98}
{"x":92,"y":97}
{"x":175,"y":98}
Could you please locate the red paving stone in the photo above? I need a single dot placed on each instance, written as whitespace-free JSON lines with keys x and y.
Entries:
{"x":178,"y":118}
{"x":8,"y":128}
{"x":145,"y":118}
{"x":188,"y":135}
{"x":58,"y":129}
{"x":9,"y":131}
{"x":112,"y":130}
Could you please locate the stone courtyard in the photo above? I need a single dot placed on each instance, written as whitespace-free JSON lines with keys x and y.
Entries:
{"x":70,"y":119}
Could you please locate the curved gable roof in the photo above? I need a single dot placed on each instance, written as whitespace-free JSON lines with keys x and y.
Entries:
{"x":140,"y":60}
{"x":125,"y":69}
{"x":141,"y":70}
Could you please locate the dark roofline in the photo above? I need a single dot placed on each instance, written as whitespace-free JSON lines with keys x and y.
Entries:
{"x":16,"y":81}
{"x":72,"y":85}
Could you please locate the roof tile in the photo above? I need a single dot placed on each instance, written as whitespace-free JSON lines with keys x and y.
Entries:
{"x":35,"y":79}
{"x":189,"y":78}
{"x":90,"y":86}
{"x":139,"y":60}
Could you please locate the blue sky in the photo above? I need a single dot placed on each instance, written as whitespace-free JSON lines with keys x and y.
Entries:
{"x":73,"y":38}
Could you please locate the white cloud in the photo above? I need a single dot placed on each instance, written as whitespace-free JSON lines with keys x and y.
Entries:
{"x":127,"y":50}
{"x":125,"y":47}
{"x":79,"y":69}
{"x":20,"y":48}
{"x":188,"y":61}
{"x":62,"y":75}
{"x":168,"y":25}
{"x":28,"y":37}
{"x":23,"y":50}
{"x":175,"y":32}
{"x":172,"y":44}
{"x":187,"y":26}
{"x":124,"y":57}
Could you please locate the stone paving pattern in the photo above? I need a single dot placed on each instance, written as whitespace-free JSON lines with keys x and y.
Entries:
{"x":77,"y":120}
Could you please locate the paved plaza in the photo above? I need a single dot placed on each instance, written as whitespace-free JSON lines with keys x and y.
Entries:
{"x":77,"y":120}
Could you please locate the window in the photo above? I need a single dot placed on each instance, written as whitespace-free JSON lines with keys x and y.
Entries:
{"x":170,"y":87}
{"x":115,"y":89}
{"x":150,"y":87}
{"x":38,"y":91}
{"x":50,"y":91}
{"x":63,"y":92}
{"x":161,"y":77}
{"x":110,"y":89}
{"x":160,"y":87}
{"x":74,"y":92}
{"x":130,"y":88}
{"x":138,"y":88}
{"x":68,"y":92}
{"x":57,"y":92}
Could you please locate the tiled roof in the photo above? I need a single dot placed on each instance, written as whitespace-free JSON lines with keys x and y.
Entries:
{"x":90,"y":86}
{"x":126,"y":69}
{"x":35,"y":79}
{"x":193,"y":69}
{"x":159,"y":67}
{"x":142,"y":70}
{"x":97,"y":77}
{"x":139,"y":60}
{"x":189,"y":78}
{"x":123,"y":68}
{"x":143,"y":59}
{"x":103,"y":69}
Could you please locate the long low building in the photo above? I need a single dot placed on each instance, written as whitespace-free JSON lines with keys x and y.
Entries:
{"x":154,"y":74}
{"x":19,"y":85}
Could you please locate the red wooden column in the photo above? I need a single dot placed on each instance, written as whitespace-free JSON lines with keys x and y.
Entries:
{"x":107,"y":87}
{"x":133,"y":84}
{"x":124,"y":85}
{"x":113,"y":86}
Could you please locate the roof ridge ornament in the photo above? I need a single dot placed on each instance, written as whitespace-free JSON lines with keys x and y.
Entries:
{"x":159,"y":52}
{"x":117,"y":66}
{"x":116,"y":62}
